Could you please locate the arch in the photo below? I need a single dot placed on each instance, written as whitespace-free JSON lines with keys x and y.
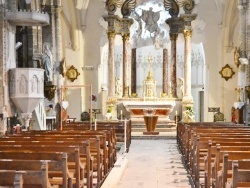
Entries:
{"x":230,"y":21}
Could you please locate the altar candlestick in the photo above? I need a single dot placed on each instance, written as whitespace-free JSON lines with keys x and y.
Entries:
{"x":121,"y":114}
{"x":176,"y":117}
{"x":160,"y":94}
{"x":95,"y":124}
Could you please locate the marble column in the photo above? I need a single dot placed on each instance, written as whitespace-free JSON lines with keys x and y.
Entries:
{"x":133,"y":71}
{"x":173,"y":92}
{"x":187,"y":67}
{"x":111,"y":63}
{"x":242,"y":67}
{"x":3,"y":83}
{"x":165,"y":71}
{"x":125,"y":38}
{"x":243,"y":78}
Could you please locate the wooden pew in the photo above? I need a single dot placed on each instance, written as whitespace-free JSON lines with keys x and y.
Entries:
{"x":73,"y":158}
{"x":108,"y":148}
{"x":223,"y":174}
{"x":25,"y":173}
{"x":12,"y":178}
{"x":191,"y":143}
{"x":118,"y":126}
{"x":240,"y":177}
{"x":62,"y":175}
{"x":201,"y":164}
{"x":72,"y":139}
{"x":78,"y":153}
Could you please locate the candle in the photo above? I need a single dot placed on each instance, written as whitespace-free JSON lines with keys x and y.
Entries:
{"x":160,"y":94}
{"x":176,"y":117}
{"x":170,"y":84}
{"x":121,"y":112}
{"x":95,"y":124}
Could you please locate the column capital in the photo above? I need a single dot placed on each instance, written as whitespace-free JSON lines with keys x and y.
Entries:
{"x":173,"y":36}
{"x":176,"y":25}
{"x":188,"y":18}
{"x":125,"y":36}
{"x":111,"y":34}
{"x":187,"y":33}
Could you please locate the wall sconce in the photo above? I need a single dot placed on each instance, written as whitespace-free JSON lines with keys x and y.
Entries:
{"x":65,"y":104}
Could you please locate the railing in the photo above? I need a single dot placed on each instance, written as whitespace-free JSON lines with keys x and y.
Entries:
{"x":40,"y":116}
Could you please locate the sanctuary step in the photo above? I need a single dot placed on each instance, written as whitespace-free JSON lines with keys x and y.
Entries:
{"x":170,"y":127}
{"x":160,"y":136}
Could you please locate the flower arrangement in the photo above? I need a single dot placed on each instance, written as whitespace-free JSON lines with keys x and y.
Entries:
{"x":189,"y":112}
{"x":109,"y":110}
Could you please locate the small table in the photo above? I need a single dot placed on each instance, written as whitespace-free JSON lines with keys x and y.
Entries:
{"x":69,"y":120}
{"x":50,"y":122}
{"x":150,"y":122}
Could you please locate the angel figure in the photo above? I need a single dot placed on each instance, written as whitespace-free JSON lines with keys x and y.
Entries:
{"x":150,"y":18}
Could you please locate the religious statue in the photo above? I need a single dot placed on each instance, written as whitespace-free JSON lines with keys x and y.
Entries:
{"x":118,"y":87}
{"x":47,"y":63}
{"x":180,"y":87}
{"x":237,"y":56}
{"x":150,"y":18}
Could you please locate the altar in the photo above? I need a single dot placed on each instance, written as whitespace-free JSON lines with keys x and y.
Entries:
{"x":161,"y":108}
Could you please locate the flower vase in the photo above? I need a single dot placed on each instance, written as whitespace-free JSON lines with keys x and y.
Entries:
{"x":108,"y":116}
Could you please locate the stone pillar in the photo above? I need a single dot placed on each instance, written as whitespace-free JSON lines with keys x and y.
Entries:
{"x":3,"y":101}
{"x":173,"y":38}
{"x":243,"y":68}
{"x":133,"y":71}
{"x":187,"y":66}
{"x":125,"y":38}
{"x":111,"y":63}
{"x":165,"y":71}
{"x":188,"y":102}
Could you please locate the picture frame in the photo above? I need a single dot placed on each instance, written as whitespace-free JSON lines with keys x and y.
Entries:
{"x":72,"y":73}
{"x":227,"y":72}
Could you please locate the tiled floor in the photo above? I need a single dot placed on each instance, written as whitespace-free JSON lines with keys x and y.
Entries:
{"x":153,"y":163}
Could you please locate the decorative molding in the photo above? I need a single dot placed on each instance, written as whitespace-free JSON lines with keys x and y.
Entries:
{"x":227,"y":72}
{"x":72,"y":73}
{"x":127,"y":7}
{"x":27,"y":18}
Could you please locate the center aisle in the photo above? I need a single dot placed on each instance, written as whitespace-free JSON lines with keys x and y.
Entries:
{"x":154,"y":164}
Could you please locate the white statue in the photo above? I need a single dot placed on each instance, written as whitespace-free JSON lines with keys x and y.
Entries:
{"x":180,"y":87}
{"x":47,"y":63}
{"x":118,"y":86}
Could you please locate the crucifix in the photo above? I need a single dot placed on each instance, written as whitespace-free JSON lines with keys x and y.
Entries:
{"x":150,"y":61}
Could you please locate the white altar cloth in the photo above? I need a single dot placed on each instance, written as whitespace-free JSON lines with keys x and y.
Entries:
{"x":149,"y":104}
